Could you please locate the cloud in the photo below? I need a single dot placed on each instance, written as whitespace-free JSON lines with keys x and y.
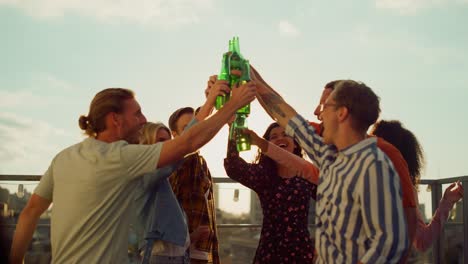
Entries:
{"x":410,"y":7}
{"x":32,"y":95}
{"x":165,"y":13}
{"x":27,"y":143}
{"x":287,"y":29}
{"x":54,"y":83}
{"x":429,"y":54}
{"x":10,"y":99}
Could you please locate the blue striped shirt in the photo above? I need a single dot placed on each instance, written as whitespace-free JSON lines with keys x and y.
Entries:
{"x":359,"y":209}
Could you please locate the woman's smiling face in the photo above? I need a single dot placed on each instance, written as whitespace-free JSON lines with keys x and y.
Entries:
{"x":279,"y":138}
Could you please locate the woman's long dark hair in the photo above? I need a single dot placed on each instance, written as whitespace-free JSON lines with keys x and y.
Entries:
{"x":406,"y":142}
{"x":267,"y":161}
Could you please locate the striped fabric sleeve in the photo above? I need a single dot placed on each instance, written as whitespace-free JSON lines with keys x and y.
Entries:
{"x":382,"y":213}
{"x":308,"y":139}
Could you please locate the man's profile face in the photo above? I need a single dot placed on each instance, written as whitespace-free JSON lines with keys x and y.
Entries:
{"x":325,"y":94}
{"x":181,"y":123}
{"x":132,"y":121}
{"x":329,"y":119}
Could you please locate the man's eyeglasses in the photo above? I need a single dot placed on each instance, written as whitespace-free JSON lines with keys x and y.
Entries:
{"x":325,"y":105}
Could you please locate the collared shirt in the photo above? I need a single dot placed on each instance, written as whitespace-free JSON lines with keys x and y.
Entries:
{"x":190,"y":183}
{"x":400,"y":165}
{"x":359,"y":209}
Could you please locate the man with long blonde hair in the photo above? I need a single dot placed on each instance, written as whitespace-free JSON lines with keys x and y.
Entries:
{"x":91,"y":183}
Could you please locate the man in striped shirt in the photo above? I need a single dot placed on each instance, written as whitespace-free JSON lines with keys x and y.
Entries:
{"x":400,"y":166}
{"x":359,"y":210}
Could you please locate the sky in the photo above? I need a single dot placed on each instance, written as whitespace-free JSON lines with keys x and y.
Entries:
{"x":57,"y":54}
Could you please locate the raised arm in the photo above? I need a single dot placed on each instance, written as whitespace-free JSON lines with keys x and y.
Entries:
{"x":253,"y":176}
{"x":211,"y":92}
{"x":272,"y":101}
{"x":303,"y":168}
{"x":202,"y":132}
{"x":295,"y":125}
{"x":425,"y":234}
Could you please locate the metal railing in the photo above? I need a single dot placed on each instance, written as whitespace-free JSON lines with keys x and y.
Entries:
{"x":436,"y":195}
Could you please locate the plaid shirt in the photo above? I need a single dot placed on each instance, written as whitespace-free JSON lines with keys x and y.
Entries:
{"x":190,"y":184}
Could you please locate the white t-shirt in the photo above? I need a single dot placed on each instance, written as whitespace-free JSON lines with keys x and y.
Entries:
{"x":91,"y":186}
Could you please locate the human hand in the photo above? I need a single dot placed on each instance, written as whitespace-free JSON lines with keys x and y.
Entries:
{"x":211,"y":81}
{"x":214,"y":88}
{"x":243,"y":95}
{"x":454,"y":192}
{"x":254,"y":138}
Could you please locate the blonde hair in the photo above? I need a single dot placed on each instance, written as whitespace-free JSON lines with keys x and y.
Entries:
{"x":149,"y":132}
{"x":106,"y":101}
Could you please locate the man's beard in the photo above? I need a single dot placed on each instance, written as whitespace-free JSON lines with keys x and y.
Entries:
{"x":133,"y":138}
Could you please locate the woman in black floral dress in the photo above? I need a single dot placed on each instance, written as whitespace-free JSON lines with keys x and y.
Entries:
{"x":284,"y":198}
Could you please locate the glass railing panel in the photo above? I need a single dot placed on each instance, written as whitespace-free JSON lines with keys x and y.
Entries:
{"x":239,"y":219}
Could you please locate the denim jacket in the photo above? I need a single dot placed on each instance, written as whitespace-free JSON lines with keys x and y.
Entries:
{"x":158,"y":209}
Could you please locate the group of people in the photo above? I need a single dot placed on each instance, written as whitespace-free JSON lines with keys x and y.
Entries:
{"x":364,"y":184}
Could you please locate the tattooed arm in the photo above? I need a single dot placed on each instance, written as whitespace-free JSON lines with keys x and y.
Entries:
{"x":272,"y":101}
{"x":295,"y":125}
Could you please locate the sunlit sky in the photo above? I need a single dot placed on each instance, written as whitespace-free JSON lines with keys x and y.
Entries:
{"x":57,"y":54}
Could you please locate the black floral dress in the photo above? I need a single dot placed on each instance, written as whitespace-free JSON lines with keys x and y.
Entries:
{"x":285,"y":203}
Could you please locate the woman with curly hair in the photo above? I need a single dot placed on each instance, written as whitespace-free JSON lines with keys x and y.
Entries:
{"x":407,"y":143}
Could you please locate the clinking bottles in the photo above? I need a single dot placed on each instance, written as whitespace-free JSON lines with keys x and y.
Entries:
{"x":236,"y":71}
{"x":232,"y":61}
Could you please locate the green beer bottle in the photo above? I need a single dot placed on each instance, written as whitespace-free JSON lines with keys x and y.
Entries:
{"x":242,"y":139}
{"x":244,"y":79}
{"x":236,"y":47}
{"x":236,"y":61}
{"x":224,"y":75}
{"x":236,"y":64}
{"x":231,"y":45}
